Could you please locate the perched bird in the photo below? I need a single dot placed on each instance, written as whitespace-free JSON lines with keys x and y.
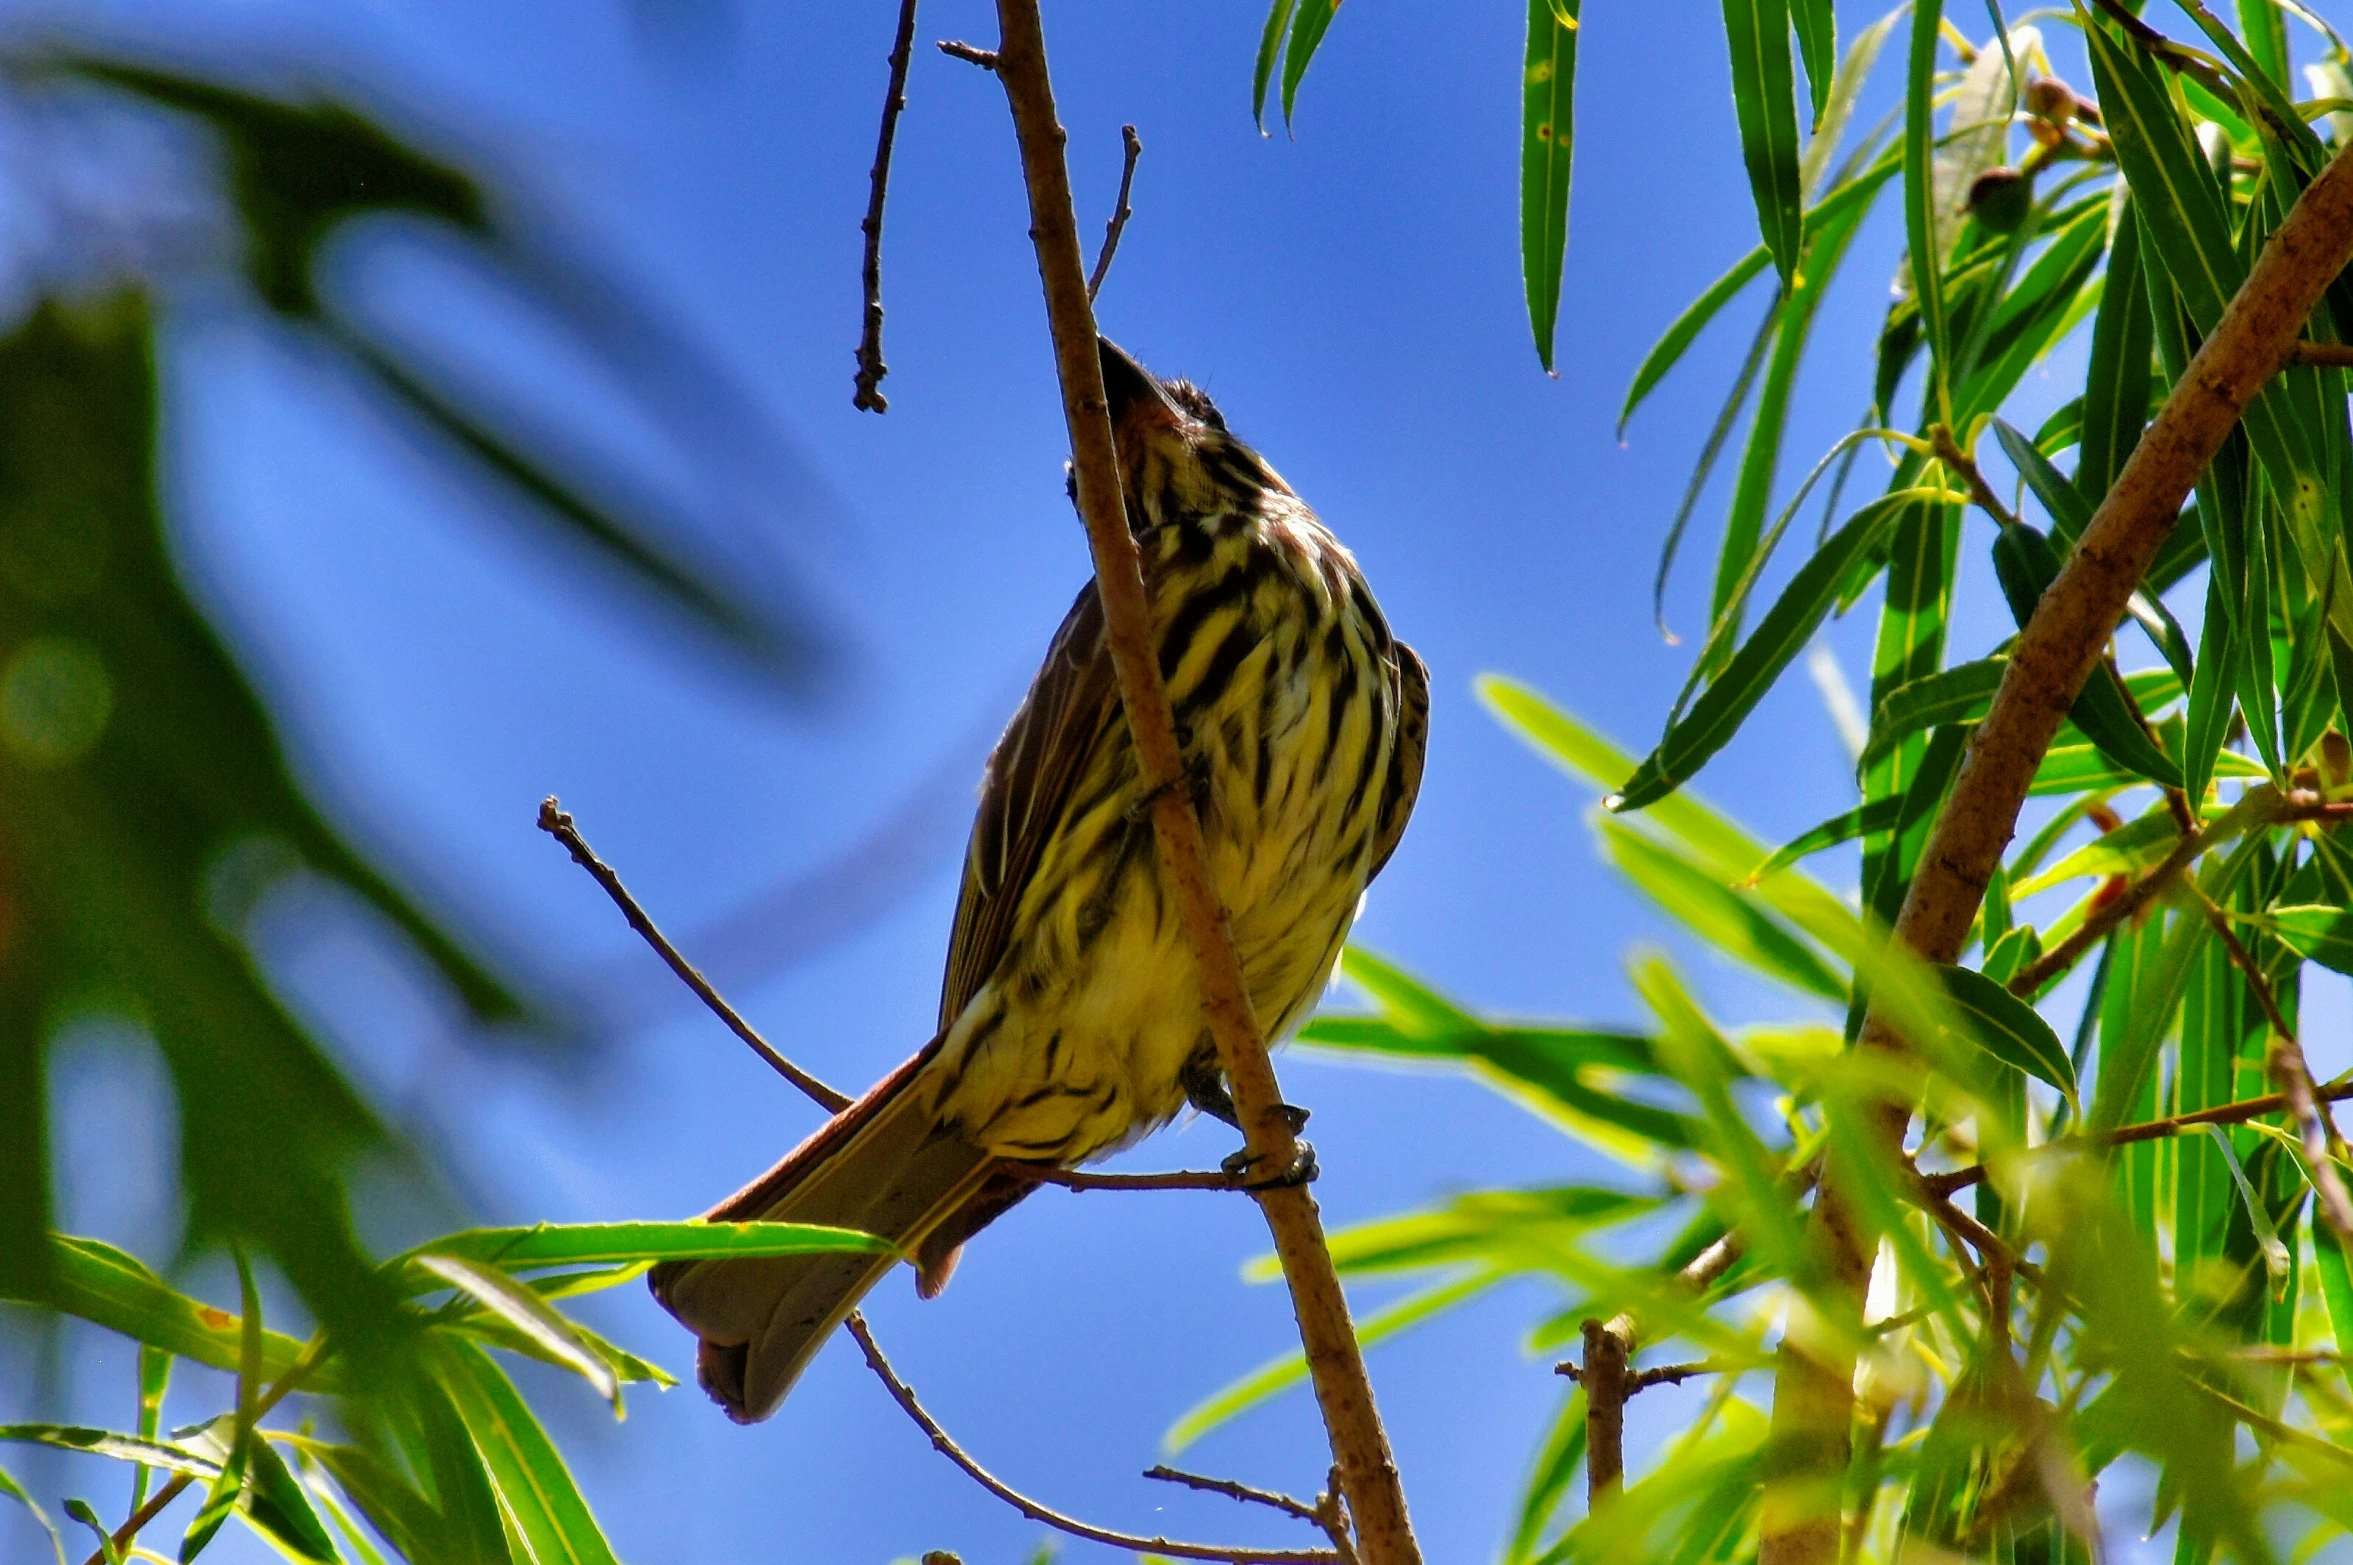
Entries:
{"x":1071,"y":1022}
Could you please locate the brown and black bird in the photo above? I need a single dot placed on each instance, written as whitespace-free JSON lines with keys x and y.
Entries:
{"x":1071,"y":1022}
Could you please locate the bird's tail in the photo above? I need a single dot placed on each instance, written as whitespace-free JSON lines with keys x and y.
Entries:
{"x":883,"y":1166}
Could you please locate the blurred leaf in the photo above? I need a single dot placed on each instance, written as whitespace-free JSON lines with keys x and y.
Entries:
{"x":1505,"y":1231}
{"x":1557,"y":1460}
{"x":2131,"y":847}
{"x":104,"y":1285}
{"x":1785,"y":629}
{"x":1279,"y":1375}
{"x":108,"y":1549}
{"x":234,"y":1451}
{"x":16,"y":1491}
{"x":563,"y":1244}
{"x":2008,"y":1028}
{"x":1879,"y":815}
{"x":393,"y":1506}
{"x":552,"y":1336}
{"x":1728,"y":923}
{"x":1920,"y":195}
{"x":272,"y":1500}
{"x":155,"y":1378}
{"x":2336,"y":1283}
{"x":1547,"y":140}
{"x":1764,"y":100}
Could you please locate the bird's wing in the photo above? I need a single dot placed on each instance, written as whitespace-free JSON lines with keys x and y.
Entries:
{"x":1024,"y":791}
{"x":1405,"y":763}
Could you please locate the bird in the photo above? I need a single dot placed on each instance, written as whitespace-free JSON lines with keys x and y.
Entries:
{"x":1071,"y":1022}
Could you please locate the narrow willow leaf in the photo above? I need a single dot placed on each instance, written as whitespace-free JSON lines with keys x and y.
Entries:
{"x":2132,"y":847}
{"x":2014,"y":949}
{"x":1817,"y":45}
{"x":2070,"y":511}
{"x":1547,"y":140}
{"x":1279,"y":1375}
{"x":1270,"y":43}
{"x":2275,"y":1253}
{"x":356,"y":1543}
{"x":1717,"y":715}
{"x":391,"y":1504}
{"x":276,"y":1505}
{"x":2318,"y":934}
{"x":108,"y":1549}
{"x":1308,"y":22}
{"x":2008,"y":1028}
{"x":155,"y":1378}
{"x":1404,"y":998}
{"x":1878,"y":815}
{"x":1952,"y":695}
{"x":16,"y":1491}
{"x":228,"y":1489}
{"x":531,"y":1315}
{"x":110,"y":1288}
{"x":2336,"y":1282}
{"x":1729,"y":924}
{"x":1764,"y":100}
{"x":1920,"y":230}
{"x":2116,"y":390}
{"x":1846,"y":86}
{"x":566,"y":1244}
{"x":525,"y":1468}
{"x":166,"y":1454}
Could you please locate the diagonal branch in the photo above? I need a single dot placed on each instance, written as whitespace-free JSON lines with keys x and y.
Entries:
{"x":1120,"y":212}
{"x":1335,"y":1360}
{"x":871,"y":369}
{"x":1236,"y":1554}
{"x":558,"y":824}
{"x":2063,"y":641}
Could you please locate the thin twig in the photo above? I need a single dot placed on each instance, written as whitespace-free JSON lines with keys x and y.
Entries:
{"x":1949,"y":452}
{"x":1120,"y":212}
{"x":941,"y":1441}
{"x":1233,"y":1490}
{"x":1335,"y":1360}
{"x":2323,"y":355}
{"x":986,"y":59}
{"x":871,"y":369}
{"x":2062,"y":642}
{"x":1672,"y":1374}
{"x":558,"y":824}
{"x":1182,"y":1179}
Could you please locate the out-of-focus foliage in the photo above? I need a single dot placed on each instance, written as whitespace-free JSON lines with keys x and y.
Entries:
{"x":145,"y":800}
{"x":2062,"y":1296}
{"x":439,"y":1458}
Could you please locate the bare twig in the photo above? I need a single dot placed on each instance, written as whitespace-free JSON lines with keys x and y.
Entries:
{"x":2063,"y":641}
{"x":2323,"y":355}
{"x":1237,"y":1554}
{"x":556,"y":823}
{"x":2259,"y":807}
{"x":1672,"y":1374}
{"x":986,"y":59}
{"x":1183,"y":1179}
{"x":871,"y":369}
{"x":1608,"y":1344}
{"x":1335,"y":1360}
{"x":1233,"y":1490}
{"x":1120,"y":212}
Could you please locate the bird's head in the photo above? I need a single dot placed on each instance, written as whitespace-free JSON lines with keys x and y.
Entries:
{"x":1177,"y":460}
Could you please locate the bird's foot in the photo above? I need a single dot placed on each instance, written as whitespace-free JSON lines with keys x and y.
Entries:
{"x":1302,"y":1171}
{"x":1194,"y":779}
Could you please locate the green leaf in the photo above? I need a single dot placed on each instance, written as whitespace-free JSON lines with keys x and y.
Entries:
{"x":2318,"y":934}
{"x":1278,"y":1375}
{"x":227,"y":1492}
{"x":1764,"y":100}
{"x":1950,"y":695}
{"x":1717,"y":715}
{"x":2276,"y":1259}
{"x":2070,"y":511}
{"x":2008,"y":1028}
{"x":524,"y":1466}
{"x":108,"y":1549}
{"x":2130,"y":848}
{"x":1505,"y":1231}
{"x":525,"y":1311}
{"x":1920,"y":196}
{"x":566,"y":1244}
{"x":272,"y":1500}
{"x":16,"y":1491}
{"x":2116,"y":391}
{"x":1309,"y":19}
{"x":1270,"y":42}
{"x":166,"y":1454}
{"x":391,"y":1504}
{"x":1728,"y":923}
{"x":2336,"y":1282}
{"x":1557,"y":1461}
{"x":1547,"y":140}
{"x":1877,"y":816}
{"x":1817,"y":45}
{"x":110,"y":1288}
{"x":155,"y":1378}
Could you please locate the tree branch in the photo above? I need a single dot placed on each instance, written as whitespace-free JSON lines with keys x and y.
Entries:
{"x":1236,"y":1554}
{"x":1078,"y":1179}
{"x":1120,"y":212}
{"x":557,"y":824}
{"x":2323,"y":355}
{"x":1608,"y":1344}
{"x":871,"y":369}
{"x":1335,"y":1361}
{"x":2062,"y":642}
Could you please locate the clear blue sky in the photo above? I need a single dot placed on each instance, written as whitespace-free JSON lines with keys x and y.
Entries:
{"x":1351,"y":296}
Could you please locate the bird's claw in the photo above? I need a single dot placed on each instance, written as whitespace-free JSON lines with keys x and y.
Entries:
{"x":1302,"y":1171}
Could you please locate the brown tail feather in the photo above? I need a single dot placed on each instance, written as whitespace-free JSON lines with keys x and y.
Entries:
{"x":881,"y":1166}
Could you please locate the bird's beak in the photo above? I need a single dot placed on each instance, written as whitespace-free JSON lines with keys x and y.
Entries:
{"x":1131,"y":390}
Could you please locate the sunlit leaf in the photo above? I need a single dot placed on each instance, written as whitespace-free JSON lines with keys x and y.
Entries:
{"x":1765,"y":102}
{"x":2008,"y":1028}
{"x":1547,"y":141}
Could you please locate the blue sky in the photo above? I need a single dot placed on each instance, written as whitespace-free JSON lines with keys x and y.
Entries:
{"x":1351,"y":296}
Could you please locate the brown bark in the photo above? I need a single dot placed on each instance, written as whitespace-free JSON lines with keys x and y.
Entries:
{"x":1335,"y":1362}
{"x":1813,"y":1403}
